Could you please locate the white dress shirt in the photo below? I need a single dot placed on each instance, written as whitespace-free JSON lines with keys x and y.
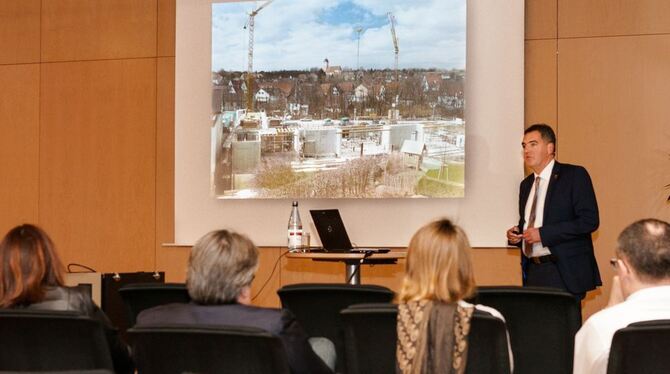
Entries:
{"x":538,"y":248}
{"x":593,"y":341}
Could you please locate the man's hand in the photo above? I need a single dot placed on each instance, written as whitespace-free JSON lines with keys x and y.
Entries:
{"x":616,"y":293}
{"x":532,"y":235}
{"x":513,"y":235}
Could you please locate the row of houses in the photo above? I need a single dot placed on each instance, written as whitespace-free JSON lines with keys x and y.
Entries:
{"x":330,"y":95}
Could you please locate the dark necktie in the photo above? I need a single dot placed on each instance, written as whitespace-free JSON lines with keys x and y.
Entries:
{"x":528,"y":248}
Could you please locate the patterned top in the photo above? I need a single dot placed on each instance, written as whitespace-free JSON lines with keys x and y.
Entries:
{"x":432,"y":337}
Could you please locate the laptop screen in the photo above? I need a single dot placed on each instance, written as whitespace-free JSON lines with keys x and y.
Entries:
{"x":331,"y":229}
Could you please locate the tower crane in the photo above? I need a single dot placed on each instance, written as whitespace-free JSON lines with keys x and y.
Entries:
{"x":250,"y":56}
{"x":395,"y":43}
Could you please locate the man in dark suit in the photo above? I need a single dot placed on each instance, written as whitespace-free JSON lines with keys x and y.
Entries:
{"x":221,"y":268}
{"x":557,"y":214}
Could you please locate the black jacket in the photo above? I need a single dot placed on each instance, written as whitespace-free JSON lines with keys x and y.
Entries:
{"x":570,"y":216}
{"x":74,"y":299}
{"x":281,"y":323}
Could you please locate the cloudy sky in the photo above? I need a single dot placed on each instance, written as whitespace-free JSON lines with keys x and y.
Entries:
{"x":300,"y":34}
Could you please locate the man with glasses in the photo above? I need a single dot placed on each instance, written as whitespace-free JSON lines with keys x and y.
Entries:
{"x":640,"y":292}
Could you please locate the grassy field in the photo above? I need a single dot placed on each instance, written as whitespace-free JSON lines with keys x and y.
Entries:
{"x":455,"y":173}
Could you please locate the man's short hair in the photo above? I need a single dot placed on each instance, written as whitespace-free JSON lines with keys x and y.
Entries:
{"x":546,"y":132}
{"x":221,"y":264}
{"x":645,"y":245}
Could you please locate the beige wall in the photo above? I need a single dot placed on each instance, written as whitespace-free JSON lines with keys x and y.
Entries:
{"x":598,"y":71}
{"x":86,"y":127}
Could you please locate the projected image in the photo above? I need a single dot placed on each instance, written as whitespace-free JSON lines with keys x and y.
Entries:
{"x":338,"y":99}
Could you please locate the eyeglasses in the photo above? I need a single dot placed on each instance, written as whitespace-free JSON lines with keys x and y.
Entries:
{"x":614,"y":262}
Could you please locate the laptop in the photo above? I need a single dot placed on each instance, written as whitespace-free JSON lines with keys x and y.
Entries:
{"x":333,"y":235}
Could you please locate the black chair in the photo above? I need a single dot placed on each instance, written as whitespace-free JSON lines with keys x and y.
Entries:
{"x":371,"y":335}
{"x":317,"y":308}
{"x":488,"y":352}
{"x":642,"y":347}
{"x":140,"y":296}
{"x":207,"y":349}
{"x":52,"y":341}
{"x":542,"y":324}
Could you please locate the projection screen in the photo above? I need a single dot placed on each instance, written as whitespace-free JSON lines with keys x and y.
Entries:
{"x":494,"y":92}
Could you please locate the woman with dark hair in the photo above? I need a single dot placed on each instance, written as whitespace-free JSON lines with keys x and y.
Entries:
{"x":31,"y":277}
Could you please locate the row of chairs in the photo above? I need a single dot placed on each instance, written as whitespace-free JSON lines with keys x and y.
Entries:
{"x":541,"y":322}
{"x":541,"y":325}
{"x":60,"y":341}
{"x":529,"y":313}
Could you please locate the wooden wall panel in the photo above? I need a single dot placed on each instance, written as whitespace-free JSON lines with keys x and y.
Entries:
{"x":19,"y":31}
{"x":173,"y":260}
{"x":98,"y":29}
{"x":497,"y":266}
{"x":97,"y":161}
{"x":265,"y":294}
{"x":298,"y":270}
{"x":307,"y":271}
{"x":540,"y":19}
{"x":613,"y":96}
{"x":580,"y":18}
{"x":164,"y":152}
{"x":19,"y":144}
{"x":166,"y":27}
{"x":540,"y":82}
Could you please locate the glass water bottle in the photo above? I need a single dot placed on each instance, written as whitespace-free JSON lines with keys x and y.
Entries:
{"x":294,"y":229}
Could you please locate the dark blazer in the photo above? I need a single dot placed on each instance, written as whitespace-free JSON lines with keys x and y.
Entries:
{"x":570,"y":216}
{"x":282,"y":323}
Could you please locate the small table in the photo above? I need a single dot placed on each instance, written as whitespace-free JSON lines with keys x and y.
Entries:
{"x":352,"y":261}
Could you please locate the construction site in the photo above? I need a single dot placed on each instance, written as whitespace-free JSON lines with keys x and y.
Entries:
{"x":337,"y":132}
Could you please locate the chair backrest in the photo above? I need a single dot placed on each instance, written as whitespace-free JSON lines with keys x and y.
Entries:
{"x":207,"y":349}
{"x":371,"y":336}
{"x":542,"y":324}
{"x":51,"y":341}
{"x":140,"y":296}
{"x":317,"y":308}
{"x":488,"y":352}
{"x":641,"y":347}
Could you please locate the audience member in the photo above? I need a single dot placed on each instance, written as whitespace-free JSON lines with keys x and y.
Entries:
{"x":221,"y":267}
{"x":640,"y":292}
{"x":433,"y":318}
{"x":31,"y":277}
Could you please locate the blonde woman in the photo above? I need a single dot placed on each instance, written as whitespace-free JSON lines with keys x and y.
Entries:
{"x":433,"y":318}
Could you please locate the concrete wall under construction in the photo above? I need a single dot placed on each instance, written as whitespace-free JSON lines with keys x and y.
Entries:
{"x":398,"y":133}
{"x":322,"y":142}
{"x":246,"y":156}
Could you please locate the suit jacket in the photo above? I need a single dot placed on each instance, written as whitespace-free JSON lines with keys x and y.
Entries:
{"x":570,"y":216}
{"x":282,"y":323}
